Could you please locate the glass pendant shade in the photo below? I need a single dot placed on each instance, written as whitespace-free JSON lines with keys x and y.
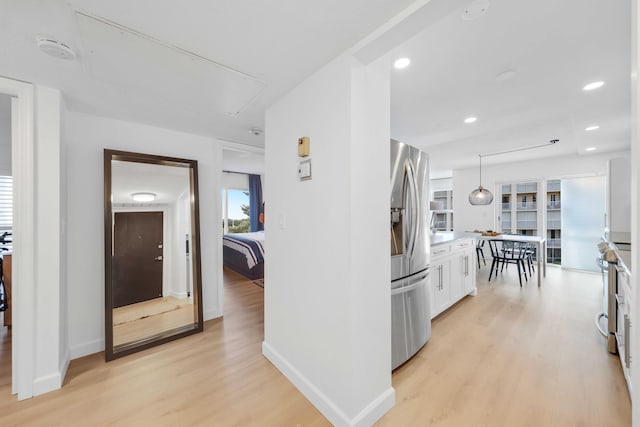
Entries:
{"x":480,"y":196}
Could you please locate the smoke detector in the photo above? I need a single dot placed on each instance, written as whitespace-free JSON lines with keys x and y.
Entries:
{"x":55,"y":48}
{"x":256,"y":131}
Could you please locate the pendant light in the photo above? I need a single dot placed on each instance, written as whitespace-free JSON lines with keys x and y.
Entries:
{"x":480,"y":196}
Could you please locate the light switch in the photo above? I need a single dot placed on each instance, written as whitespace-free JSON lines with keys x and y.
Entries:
{"x":303,"y":146}
{"x":304,"y":170}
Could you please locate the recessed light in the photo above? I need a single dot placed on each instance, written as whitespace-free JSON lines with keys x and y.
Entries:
{"x":590,"y":128}
{"x":594,"y":85}
{"x":470,"y":119}
{"x":402,"y":63}
{"x":590,"y":149}
{"x":143,"y":197}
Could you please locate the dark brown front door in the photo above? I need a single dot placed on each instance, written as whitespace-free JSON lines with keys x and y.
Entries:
{"x":137,"y":257}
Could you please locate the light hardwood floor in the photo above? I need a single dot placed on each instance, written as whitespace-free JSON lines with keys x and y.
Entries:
{"x":144,"y":319}
{"x":508,"y":357}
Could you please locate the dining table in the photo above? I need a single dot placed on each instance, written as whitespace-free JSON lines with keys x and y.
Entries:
{"x":540,"y":241}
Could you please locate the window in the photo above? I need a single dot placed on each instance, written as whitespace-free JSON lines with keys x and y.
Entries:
{"x":442,"y":219}
{"x":235,"y":211}
{"x":6,"y":203}
{"x":524,"y":201}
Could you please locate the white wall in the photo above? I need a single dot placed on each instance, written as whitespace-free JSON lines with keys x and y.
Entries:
{"x":468,"y":217}
{"x":88,"y":136}
{"x":63,"y":326}
{"x":5,"y":134}
{"x":635,"y":209}
{"x":439,"y":184}
{"x":235,"y":181}
{"x":51,"y":355}
{"x":327,"y":269}
{"x":181,"y":227}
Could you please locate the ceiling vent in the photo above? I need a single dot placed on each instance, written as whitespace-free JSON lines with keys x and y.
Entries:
{"x":55,"y":48}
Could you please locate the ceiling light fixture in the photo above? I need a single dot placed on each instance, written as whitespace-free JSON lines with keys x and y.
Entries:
{"x":594,"y":85}
{"x":590,"y":128}
{"x":470,"y":119}
{"x":402,"y":63}
{"x":143,"y":197}
{"x":482,"y":196}
{"x":590,"y":149}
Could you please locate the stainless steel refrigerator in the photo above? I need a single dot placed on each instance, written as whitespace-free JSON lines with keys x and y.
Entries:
{"x":410,"y":248}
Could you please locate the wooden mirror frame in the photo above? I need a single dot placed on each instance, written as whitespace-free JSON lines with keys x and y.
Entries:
{"x":112,"y":353}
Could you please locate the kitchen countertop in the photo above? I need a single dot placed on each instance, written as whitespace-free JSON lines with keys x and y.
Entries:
{"x":441,"y":237}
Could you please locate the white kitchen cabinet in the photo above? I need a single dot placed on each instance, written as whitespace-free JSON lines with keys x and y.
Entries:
{"x":618,"y":202}
{"x":440,"y":286}
{"x":453,"y":273}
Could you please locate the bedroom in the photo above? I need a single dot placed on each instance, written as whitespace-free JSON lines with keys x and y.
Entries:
{"x":243,"y":213}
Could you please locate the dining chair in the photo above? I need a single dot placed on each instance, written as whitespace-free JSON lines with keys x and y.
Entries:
{"x":505,"y":252}
{"x":480,"y":252}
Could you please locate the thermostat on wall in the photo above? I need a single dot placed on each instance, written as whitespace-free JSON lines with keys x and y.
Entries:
{"x":304,"y":170}
{"x":303,"y":146}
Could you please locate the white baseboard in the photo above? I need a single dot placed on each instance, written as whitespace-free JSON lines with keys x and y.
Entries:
{"x":87,"y":348}
{"x":367,"y":417}
{"x":47,"y":383}
{"x":64,"y":365}
{"x":210,"y":314}
{"x":178,"y":295}
{"x":52,"y":381}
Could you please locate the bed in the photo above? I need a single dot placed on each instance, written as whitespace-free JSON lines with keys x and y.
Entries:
{"x":244,"y":253}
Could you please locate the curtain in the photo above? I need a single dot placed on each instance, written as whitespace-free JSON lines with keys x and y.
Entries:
{"x":255,"y":203}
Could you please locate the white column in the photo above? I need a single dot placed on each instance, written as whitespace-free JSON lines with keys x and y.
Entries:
{"x":327,"y":298}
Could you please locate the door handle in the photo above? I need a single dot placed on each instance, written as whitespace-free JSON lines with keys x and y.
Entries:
{"x":158,"y":258}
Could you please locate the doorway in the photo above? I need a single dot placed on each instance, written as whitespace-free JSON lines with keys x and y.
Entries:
{"x":137,"y":257}
{"x":6,"y":229}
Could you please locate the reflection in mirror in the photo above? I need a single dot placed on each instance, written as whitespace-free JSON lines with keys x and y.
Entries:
{"x":152,"y":251}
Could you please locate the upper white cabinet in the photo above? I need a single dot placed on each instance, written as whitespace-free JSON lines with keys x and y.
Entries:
{"x":618,"y":190}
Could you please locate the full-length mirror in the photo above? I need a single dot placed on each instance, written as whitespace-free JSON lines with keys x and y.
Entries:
{"x":153,"y":284}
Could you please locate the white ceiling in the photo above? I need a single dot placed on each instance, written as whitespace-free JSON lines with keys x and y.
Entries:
{"x":276,"y":43}
{"x":555,"y":47}
{"x":166,"y":182}
{"x":128,"y":56}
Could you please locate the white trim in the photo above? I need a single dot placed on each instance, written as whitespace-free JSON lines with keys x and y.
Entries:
{"x":23,"y":297}
{"x":238,"y":146}
{"x":178,"y":295}
{"x":47,"y":383}
{"x":64,"y":365}
{"x":87,"y":348}
{"x":366,"y":417}
{"x":210,"y":314}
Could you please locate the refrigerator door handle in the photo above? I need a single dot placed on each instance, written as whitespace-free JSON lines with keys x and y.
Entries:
{"x":414,"y":207}
{"x":411,"y":287}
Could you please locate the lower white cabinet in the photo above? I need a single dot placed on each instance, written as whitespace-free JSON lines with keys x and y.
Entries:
{"x":453,"y":273}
